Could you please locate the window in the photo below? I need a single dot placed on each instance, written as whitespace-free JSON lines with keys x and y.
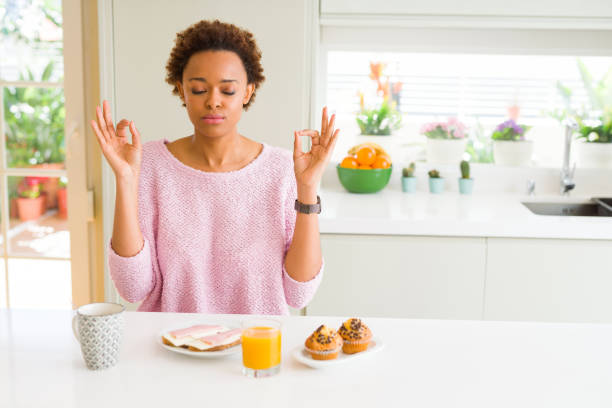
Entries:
{"x":477,"y":88}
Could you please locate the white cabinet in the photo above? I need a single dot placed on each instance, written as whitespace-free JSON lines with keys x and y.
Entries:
{"x":549,"y":280}
{"x":554,"y":280}
{"x":523,"y":8}
{"x":401,"y":276}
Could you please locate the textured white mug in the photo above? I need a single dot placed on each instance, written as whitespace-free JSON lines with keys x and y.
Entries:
{"x":98,"y":327}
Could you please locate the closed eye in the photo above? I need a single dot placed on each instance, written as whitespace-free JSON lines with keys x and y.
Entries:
{"x":201,"y":92}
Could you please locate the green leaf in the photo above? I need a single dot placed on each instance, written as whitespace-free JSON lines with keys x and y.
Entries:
{"x":47,"y":72}
{"x":566,"y":95}
{"x":379,"y":121}
{"x":587,"y":80}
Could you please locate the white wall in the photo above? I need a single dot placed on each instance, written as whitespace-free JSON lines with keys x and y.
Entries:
{"x":144,"y":33}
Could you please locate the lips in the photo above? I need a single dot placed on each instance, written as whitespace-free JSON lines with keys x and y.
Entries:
{"x":213,"y":119}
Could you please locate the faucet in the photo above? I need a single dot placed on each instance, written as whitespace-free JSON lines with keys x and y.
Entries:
{"x":567,"y":174}
{"x":531,"y":187}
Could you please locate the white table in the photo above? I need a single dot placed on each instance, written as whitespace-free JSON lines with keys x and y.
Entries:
{"x":425,"y":363}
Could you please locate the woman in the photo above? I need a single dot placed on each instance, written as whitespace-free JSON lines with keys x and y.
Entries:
{"x":215,"y":222}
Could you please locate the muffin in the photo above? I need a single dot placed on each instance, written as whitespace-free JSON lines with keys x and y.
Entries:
{"x":356,"y":336}
{"x":324,"y":344}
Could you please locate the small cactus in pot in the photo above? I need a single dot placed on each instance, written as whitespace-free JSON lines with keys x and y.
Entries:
{"x":436,"y":182}
{"x":408,"y":179}
{"x":409,"y":171}
{"x":465,"y":169}
{"x":466,"y":183}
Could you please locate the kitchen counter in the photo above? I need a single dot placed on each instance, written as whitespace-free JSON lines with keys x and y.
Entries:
{"x":425,"y":363}
{"x":392,"y":212}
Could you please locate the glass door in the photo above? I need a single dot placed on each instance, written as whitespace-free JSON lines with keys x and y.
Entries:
{"x":35,"y":239}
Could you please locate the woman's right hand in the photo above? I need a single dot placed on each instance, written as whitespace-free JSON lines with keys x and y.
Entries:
{"x":123,"y":157}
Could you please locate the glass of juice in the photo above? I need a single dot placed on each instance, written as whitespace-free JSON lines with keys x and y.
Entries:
{"x":261,"y":347}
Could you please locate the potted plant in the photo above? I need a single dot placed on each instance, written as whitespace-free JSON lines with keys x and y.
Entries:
{"x":35,"y":128}
{"x":446,"y":141}
{"x":408,"y":179}
{"x":49,"y":185}
{"x":380,"y":121}
{"x":13,"y":184}
{"x":436,"y":182}
{"x":509,"y":145}
{"x":594,"y":119}
{"x":62,"y":198}
{"x":31,"y":203}
{"x":479,"y":146}
{"x":594,"y":142}
{"x":466,"y":183}
{"x":14,"y":211}
{"x":377,"y":123}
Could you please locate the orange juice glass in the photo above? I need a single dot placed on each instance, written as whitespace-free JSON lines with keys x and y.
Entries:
{"x":261,"y":347}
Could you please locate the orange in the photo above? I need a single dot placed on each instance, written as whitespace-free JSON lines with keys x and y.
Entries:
{"x":349,"y":162}
{"x":366,"y":155}
{"x":386,"y":156}
{"x":381,"y":162}
{"x":365,"y":167}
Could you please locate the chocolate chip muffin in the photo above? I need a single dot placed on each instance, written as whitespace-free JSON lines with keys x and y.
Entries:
{"x":324,"y":343}
{"x":356,"y":336}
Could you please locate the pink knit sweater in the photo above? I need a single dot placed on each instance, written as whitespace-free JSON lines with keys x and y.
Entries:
{"x":213,"y":242}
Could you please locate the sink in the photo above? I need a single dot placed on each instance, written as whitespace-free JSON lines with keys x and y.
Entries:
{"x":588,"y":209}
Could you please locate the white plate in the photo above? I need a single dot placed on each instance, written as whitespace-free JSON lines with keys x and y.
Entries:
{"x":301,"y":355}
{"x":203,"y":354}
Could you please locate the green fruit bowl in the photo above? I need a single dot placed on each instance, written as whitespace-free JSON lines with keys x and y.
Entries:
{"x":364,"y":181}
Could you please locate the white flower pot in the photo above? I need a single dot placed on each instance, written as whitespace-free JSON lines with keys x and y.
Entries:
{"x":512,"y":153}
{"x":390,"y":143}
{"x":593,"y":155}
{"x":445,"y":151}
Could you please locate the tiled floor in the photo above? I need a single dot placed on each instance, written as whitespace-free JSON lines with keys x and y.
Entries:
{"x":39,"y":283}
{"x":46,"y":236}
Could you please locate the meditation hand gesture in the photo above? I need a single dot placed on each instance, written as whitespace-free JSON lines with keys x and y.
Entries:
{"x":309,"y":166}
{"x":123,"y":157}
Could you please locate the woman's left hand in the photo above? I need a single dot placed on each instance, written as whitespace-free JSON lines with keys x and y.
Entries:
{"x":309,"y":166}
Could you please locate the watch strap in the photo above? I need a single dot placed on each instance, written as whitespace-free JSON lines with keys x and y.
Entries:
{"x":308,"y":208}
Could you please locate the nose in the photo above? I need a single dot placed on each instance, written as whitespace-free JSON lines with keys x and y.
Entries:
{"x":214,"y":99}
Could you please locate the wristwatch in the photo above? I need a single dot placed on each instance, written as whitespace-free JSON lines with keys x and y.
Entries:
{"x":308,"y":208}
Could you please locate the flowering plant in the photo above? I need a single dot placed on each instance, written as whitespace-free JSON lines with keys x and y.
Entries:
{"x":510,"y":130}
{"x":385,"y":118}
{"x":379,"y":121}
{"x":29,"y":187}
{"x":594,"y":118}
{"x":385,"y":89}
{"x":451,"y":129}
{"x":595,"y":130}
